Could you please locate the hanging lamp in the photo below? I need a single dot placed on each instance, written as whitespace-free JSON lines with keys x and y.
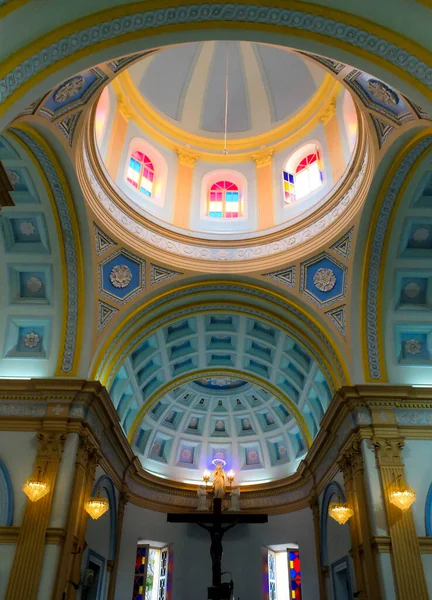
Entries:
{"x":340,"y":511}
{"x":96,"y":506}
{"x":35,"y":488}
{"x":400,"y":495}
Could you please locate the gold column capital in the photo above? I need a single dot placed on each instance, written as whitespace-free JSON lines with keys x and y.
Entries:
{"x":125,"y":108}
{"x":263,"y":158}
{"x":186,"y":158}
{"x":51,"y":443}
{"x":328,"y":112}
{"x":388,"y":451}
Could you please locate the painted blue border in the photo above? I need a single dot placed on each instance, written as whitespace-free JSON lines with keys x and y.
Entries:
{"x":346,"y":562}
{"x":428,"y":512}
{"x":331,"y":489}
{"x":105,"y":483}
{"x":7,"y":504}
{"x":99,"y":559}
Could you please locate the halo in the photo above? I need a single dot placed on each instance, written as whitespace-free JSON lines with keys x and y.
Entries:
{"x":216,"y":461}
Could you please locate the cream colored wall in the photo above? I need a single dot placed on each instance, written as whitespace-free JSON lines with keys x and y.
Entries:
{"x":59,"y":509}
{"x":7,"y":553}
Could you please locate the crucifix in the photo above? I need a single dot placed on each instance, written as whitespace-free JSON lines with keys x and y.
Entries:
{"x":217,"y":524}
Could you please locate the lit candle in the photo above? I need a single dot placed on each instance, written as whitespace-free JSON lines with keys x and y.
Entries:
{"x":206,"y":476}
{"x":231,"y":476}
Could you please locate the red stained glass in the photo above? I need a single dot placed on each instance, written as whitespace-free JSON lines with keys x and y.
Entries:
{"x":295,"y":574}
{"x":224,"y":200}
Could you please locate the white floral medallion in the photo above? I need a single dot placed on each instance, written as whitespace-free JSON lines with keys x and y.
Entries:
{"x":34,"y":284}
{"x":27,"y":228}
{"x":70,"y":89}
{"x":324,"y":279}
{"x":13,"y":177}
{"x":421,"y":234}
{"x":120,"y":276}
{"x":382,"y":92}
{"x":31,"y":340}
{"x":412,"y":289}
{"x":412,"y":347}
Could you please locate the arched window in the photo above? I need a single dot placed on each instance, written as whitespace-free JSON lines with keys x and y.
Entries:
{"x":224,"y":200}
{"x":303,"y":175}
{"x":140,"y":173}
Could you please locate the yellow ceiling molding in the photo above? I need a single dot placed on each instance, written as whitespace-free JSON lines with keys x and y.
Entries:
{"x":151,"y":122}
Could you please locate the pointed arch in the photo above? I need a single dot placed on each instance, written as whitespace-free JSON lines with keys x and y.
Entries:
{"x":6,"y":497}
{"x":105,"y":484}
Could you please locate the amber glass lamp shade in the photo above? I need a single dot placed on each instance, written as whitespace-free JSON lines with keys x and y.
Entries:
{"x":96,"y":506}
{"x":400,"y":495}
{"x":340,"y":511}
{"x":35,"y":488}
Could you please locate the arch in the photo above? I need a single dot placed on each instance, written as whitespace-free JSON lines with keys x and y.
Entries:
{"x":104,"y":483}
{"x":303,"y":173}
{"x":6,"y":497}
{"x":392,"y":190}
{"x":332,"y":489}
{"x":361,"y":40}
{"x":148,"y":186}
{"x":428,"y":512}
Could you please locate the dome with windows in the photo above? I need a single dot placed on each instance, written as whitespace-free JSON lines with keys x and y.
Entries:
{"x":253,"y":143}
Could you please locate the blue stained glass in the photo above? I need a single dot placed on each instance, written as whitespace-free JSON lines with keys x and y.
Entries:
{"x":146,"y":192}
{"x":215,"y":214}
{"x":135,"y":164}
{"x":285,"y":176}
{"x":232,"y":196}
{"x":291,"y":177}
{"x":321,"y":176}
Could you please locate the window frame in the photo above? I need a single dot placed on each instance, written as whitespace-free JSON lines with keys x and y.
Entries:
{"x":224,"y":190}
{"x":143,"y":165}
{"x":290,"y":172}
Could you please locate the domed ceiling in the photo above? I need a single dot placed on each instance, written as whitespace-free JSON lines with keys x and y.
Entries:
{"x":223,"y":386}
{"x":186,"y":84}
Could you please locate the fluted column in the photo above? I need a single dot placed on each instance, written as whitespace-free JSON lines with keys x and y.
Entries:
{"x":333,"y":139}
{"x":362,"y":517}
{"x":346,"y":468}
{"x":27,"y":565}
{"x":314,"y":505}
{"x":123,"y":500}
{"x":182,"y":205}
{"x":407,"y":563}
{"x":117,"y":139}
{"x":264,"y":176}
{"x":85,"y":452}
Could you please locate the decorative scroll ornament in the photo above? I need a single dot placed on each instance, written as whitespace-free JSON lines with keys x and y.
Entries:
{"x":382,"y":92}
{"x":34,"y":284}
{"x":70,"y":89}
{"x":35,"y":488}
{"x":31,"y":340}
{"x":400,"y":495}
{"x":120,"y":276}
{"x":96,"y":506}
{"x":324,"y":280}
{"x":27,"y":228}
{"x":340,"y":511}
{"x":412,"y":347}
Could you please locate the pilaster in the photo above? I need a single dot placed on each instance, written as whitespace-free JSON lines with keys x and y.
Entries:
{"x":333,"y":139}
{"x":85,"y":453}
{"x":264,"y":174}
{"x":24,"y":582}
{"x":405,"y":549}
{"x":123,"y":500}
{"x":314,"y":505}
{"x":117,"y":140}
{"x":182,"y":204}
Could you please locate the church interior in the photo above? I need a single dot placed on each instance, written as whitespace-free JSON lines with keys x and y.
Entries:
{"x":215,"y":300}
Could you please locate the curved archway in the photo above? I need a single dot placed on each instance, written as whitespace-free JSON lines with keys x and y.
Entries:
{"x":104,"y":483}
{"x":332,"y":489}
{"x":6,"y":497}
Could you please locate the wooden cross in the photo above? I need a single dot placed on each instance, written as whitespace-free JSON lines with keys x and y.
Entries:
{"x":213,"y":523}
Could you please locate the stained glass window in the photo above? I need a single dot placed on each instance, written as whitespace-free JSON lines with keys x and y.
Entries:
{"x":139,"y":587}
{"x":272,"y":575}
{"x":294,"y":574}
{"x":224,"y":200}
{"x":140,"y":173}
{"x":305,"y":178}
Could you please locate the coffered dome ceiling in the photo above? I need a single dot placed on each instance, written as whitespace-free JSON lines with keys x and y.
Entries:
{"x":186,"y":85}
{"x":220,"y":386}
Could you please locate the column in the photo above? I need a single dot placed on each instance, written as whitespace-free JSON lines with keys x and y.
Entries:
{"x":346,"y":468}
{"x":27,"y":565}
{"x":123,"y":500}
{"x":85,"y":452}
{"x":362,"y":517}
{"x":314,"y":505}
{"x":117,"y":140}
{"x":182,"y":203}
{"x":405,"y":549}
{"x":264,"y":174}
{"x":333,"y":139}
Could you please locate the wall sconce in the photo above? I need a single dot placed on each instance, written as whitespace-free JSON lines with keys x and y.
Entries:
{"x":340,"y":511}
{"x":35,"y":488}
{"x":231,"y":476}
{"x":96,"y":506}
{"x":400,"y":495}
{"x":206,"y":476}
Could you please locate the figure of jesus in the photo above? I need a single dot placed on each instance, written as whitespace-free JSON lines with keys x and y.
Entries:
{"x":219,"y":482}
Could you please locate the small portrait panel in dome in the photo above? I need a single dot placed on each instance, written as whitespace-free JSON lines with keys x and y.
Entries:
{"x":220,"y":383}
{"x":252,"y":457}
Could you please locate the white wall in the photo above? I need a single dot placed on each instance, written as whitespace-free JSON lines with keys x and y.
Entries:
{"x":417,"y":457}
{"x":242,"y":552}
{"x":7,"y":553}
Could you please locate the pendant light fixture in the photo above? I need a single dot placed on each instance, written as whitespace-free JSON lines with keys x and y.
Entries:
{"x":35,"y":488}
{"x":96,"y":506}
{"x":340,"y":511}
{"x":400,"y":495}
